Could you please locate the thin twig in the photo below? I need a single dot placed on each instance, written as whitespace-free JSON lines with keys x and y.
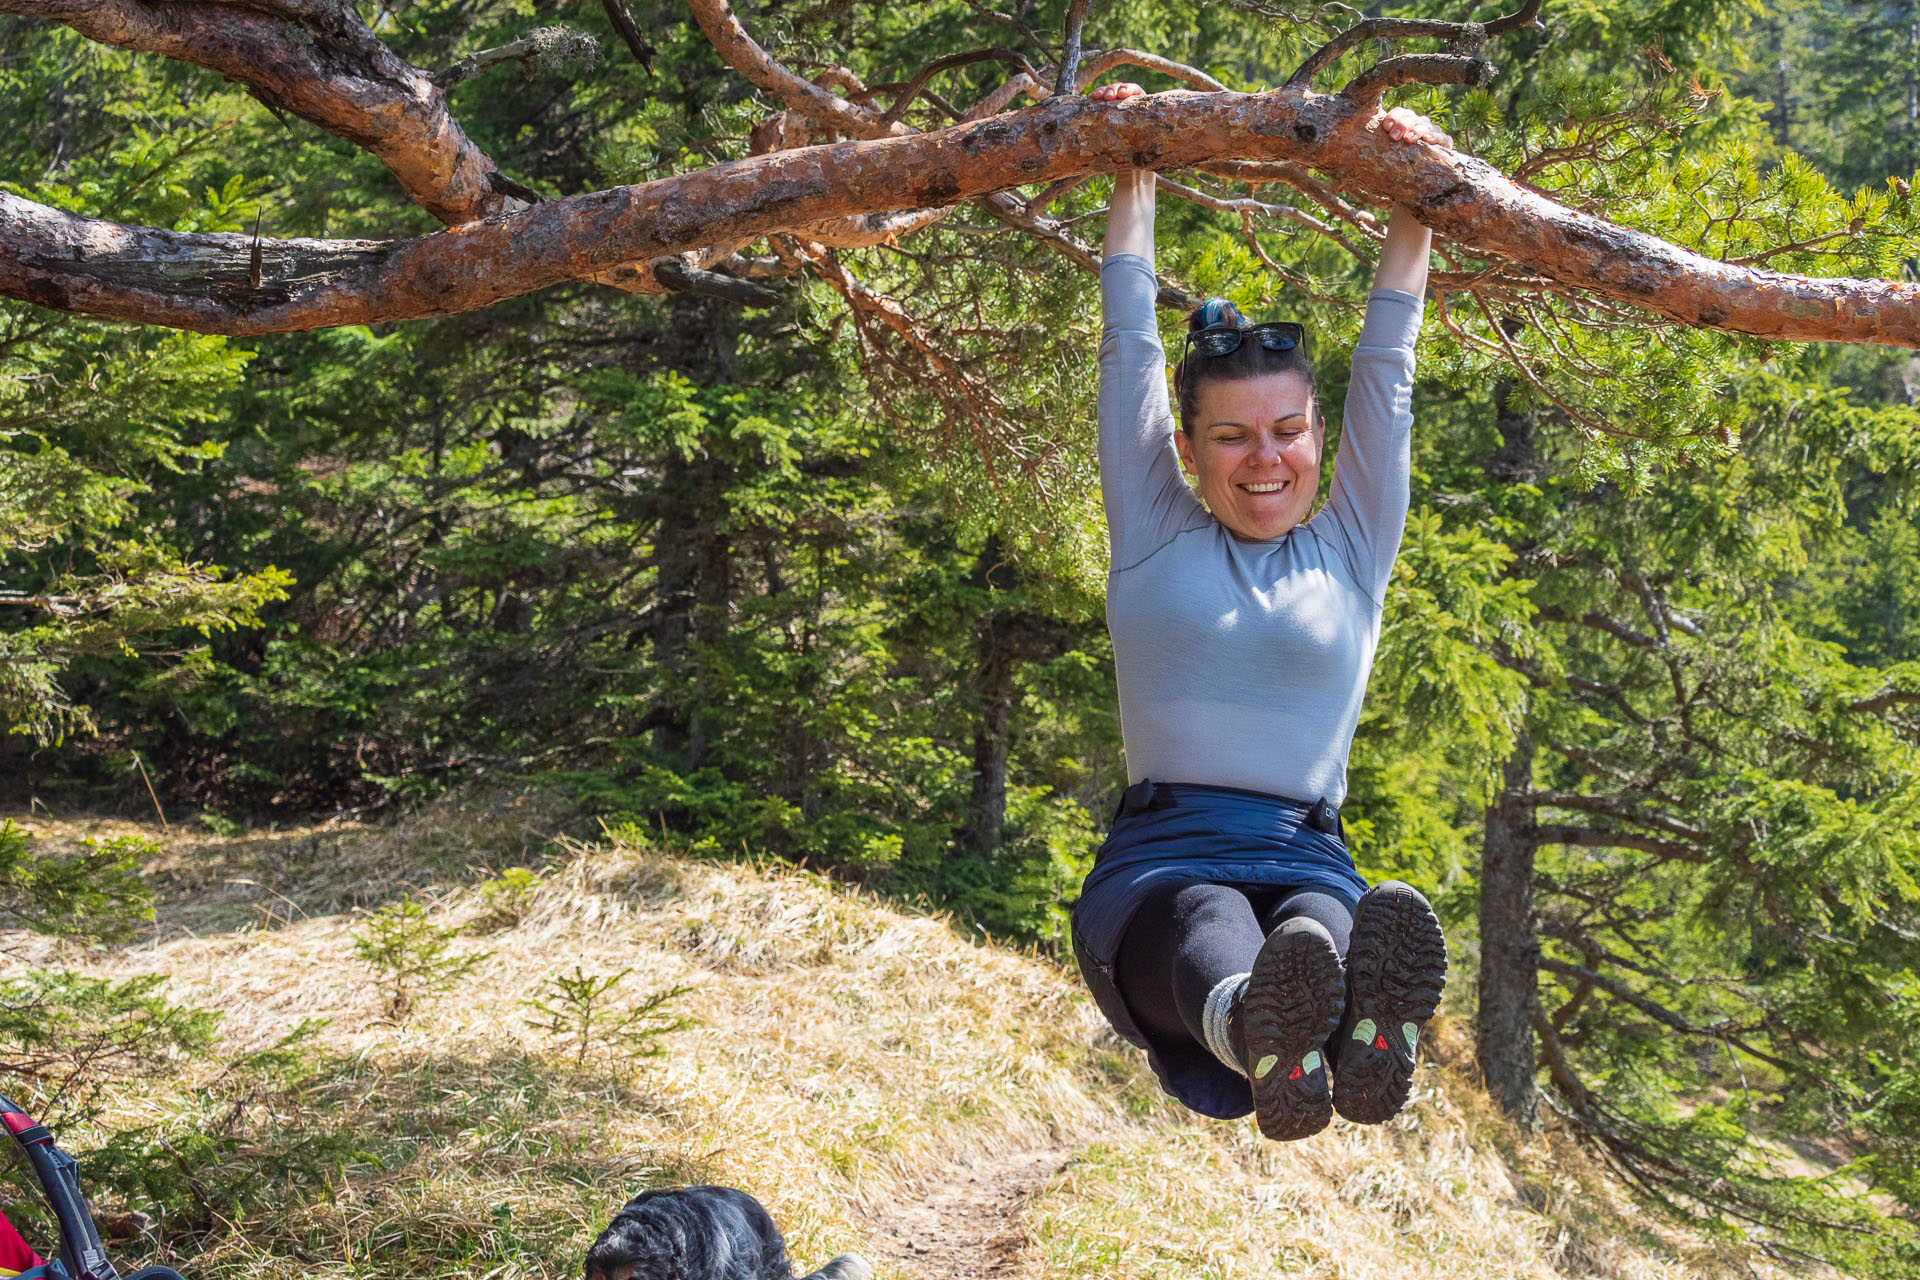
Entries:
{"x":151,"y":793}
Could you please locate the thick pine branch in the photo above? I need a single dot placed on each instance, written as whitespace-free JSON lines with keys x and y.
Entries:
{"x":204,"y":282}
{"x":198,"y":281}
{"x":317,"y":60}
{"x":1372,"y":84}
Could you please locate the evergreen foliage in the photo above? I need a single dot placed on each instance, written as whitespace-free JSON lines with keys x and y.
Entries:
{"x":574,"y":1007}
{"x":96,"y":895}
{"x":409,"y":956}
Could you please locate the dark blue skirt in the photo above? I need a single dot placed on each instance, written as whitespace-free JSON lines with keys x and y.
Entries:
{"x":1197,"y":834}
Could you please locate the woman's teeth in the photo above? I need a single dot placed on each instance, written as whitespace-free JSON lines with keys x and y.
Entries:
{"x":1274,"y":487}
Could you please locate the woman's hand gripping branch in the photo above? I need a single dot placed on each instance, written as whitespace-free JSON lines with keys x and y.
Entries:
{"x":1403,"y":256}
{"x":1130,"y":213}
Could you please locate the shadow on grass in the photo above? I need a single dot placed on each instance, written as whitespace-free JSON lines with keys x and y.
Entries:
{"x":270,"y":879}
{"x":435,"y":1164}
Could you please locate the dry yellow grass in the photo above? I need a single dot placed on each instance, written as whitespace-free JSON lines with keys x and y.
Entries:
{"x":847,"y":1056}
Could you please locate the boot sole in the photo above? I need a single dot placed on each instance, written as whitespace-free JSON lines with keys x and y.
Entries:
{"x":1292,"y":1006}
{"x":1397,"y":968}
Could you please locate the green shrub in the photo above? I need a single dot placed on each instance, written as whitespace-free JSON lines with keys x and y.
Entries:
{"x":409,"y":954}
{"x":575,"y":1008}
{"x":1019,"y":891}
{"x":506,"y":899}
{"x":66,"y":1037}
{"x":92,"y":896}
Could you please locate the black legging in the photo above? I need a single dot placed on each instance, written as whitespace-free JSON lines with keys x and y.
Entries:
{"x":1187,"y":938}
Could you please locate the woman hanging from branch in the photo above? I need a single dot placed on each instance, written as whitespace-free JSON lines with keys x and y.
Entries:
{"x":1224,"y":928}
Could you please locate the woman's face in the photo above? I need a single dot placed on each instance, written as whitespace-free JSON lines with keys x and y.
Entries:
{"x":1254,"y":452}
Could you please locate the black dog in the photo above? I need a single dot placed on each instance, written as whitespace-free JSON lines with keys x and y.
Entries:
{"x":701,"y":1233}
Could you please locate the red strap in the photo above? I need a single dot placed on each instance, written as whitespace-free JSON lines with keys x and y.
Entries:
{"x":14,"y":1253}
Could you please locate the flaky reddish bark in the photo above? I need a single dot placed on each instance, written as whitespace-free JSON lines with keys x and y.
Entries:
{"x":317,"y":60}
{"x":100,"y":268}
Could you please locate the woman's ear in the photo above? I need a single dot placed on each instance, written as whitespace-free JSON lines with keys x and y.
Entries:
{"x":1184,"y":443}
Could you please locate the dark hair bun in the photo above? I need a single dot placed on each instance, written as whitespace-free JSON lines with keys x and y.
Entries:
{"x":1215,"y":311}
{"x":1248,"y":360}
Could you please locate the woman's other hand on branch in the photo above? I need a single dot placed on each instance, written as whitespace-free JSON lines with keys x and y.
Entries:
{"x":1130,"y":216}
{"x":1403,"y":257}
{"x":1404,"y":124}
{"x":1138,"y":180}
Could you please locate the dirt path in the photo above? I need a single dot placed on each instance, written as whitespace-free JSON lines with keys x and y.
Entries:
{"x":966,"y":1225}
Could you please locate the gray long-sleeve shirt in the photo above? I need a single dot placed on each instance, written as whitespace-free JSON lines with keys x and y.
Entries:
{"x":1242,"y":663}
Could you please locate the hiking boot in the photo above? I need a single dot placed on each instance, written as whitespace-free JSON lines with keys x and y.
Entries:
{"x":1396,"y":969}
{"x":1292,"y":1005}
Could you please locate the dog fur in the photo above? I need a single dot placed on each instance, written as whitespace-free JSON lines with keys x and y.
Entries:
{"x":701,"y":1233}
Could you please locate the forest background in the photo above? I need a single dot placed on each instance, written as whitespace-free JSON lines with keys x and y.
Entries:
{"x":746,"y":571}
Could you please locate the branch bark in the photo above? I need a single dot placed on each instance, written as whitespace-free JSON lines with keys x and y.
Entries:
{"x":623,"y":25}
{"x":1607,"y":808}
{"x":1886,"y":700}
{"x":317,"y":60}
{"x":1593,"y":838}
{"x":188,"y":281}
{"x":1070,"y":56}
{"x":542,"y":44}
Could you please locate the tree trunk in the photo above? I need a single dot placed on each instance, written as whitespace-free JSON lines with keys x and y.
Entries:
{"x":1509,"y":945}
{"x":693,"y":550}
{"x":1008,"y":635}
{"x":1781,"y":117}
{"x":1913,"y":85}
{"x":993,"y":664}
{"x":1516,"y":463}
{"x":987,"y":805}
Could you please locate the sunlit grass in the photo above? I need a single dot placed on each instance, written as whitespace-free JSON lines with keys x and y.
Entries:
{"x":845,"y":1052}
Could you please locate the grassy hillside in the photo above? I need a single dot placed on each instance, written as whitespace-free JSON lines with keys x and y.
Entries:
{"x":881,"y":1079}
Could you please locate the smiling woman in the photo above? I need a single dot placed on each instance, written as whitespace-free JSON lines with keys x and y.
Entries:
{"x":1252,"y":443}
{"x":1224,"y":927}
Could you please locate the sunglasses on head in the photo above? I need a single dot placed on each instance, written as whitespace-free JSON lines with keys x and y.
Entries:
{"x":1222,"y":339}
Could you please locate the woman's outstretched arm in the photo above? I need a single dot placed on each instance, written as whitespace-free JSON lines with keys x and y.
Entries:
{"x":1147,"y":503}
{"x":1130,"y":214}
{"x":1367,"y":503}
{"x":1403,"y":258}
